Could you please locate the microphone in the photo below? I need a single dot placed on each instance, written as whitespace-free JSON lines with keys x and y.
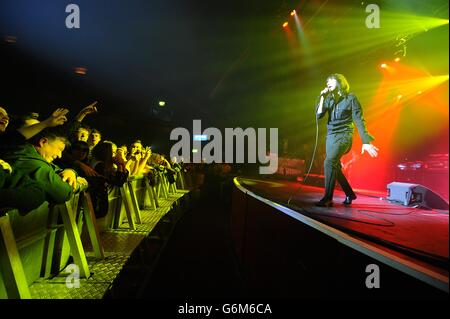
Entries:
{"x":325,"y":91}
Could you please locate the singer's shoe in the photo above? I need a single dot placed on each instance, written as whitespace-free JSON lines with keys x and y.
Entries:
{"x":324,"y":203}
{"x":348,"y":200}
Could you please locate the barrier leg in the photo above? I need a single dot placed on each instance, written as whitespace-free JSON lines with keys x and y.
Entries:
{"x":149,"y":191}
{"x":73,"y":236}
{"x":180,"y":180}
{"x":10,"y":263}
{"x":91,"y":223}
{"x":128,"y":207}
{"x":134,"y":203}
{"x":49,"y":246}
{"x":163,"y":187}
{"x":155,"y":196}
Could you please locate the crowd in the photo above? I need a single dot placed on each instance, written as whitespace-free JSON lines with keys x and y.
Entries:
{"x":49,"y":160}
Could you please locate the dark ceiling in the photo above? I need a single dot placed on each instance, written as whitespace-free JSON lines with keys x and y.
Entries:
{"x":137,"y":52}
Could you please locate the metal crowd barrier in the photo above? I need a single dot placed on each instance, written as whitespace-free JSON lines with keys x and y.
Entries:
{"x":40,"y":243}
{"x":137,"y":194}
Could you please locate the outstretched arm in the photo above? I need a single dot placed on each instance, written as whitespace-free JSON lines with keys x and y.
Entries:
{"x":57,"y":118}
{"x":358,"y":118}
{"x":91,"y":108}
{"x":366,"y":138}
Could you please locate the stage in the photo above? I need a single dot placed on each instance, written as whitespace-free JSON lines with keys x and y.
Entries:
{"x":411,"y":240}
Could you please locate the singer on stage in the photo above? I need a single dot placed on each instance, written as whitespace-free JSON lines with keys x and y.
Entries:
{"x":343,"y":109}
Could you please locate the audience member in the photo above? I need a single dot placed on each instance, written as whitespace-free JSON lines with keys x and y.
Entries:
{"x":26,"y":196}
{"x":102,"y":162}
{"x":9,"y":140}
{"x":82,"y":133}
{"x":94,"y":138}
{"x":138,"y":158}
{"x":35,"y":159}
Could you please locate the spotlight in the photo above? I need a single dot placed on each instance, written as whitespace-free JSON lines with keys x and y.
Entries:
{"x":80,"y":70}
{"x":293,"y":13}
{"x":162,"y":103}
{"x":285,"y":24}
{"x":397,"y":59}
{"x":419,"y":92}
{"x":10,"y":39}
{"x":383,"y":65}
{"x":399,"y":96}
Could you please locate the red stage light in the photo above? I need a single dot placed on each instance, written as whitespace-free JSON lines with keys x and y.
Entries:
{"x":285,"y":24}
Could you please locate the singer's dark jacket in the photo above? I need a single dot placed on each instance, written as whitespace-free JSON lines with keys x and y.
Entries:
{"x":341,"y":115}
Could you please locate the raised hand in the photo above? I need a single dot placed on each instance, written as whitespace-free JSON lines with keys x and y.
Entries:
{"x":138,"y":156}
{"x":120,"y":155}
{"x":325,"y":91}
{"x":147,"y":153}
{"x":91,"y":108}
{"x":58,"y":117}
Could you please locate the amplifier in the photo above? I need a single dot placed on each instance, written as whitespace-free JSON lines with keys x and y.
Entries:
{"x":415,"y":194}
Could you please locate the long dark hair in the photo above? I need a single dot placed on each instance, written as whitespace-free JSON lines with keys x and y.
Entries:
{"x":342,"y":83}
{"x":79,"y":146}
{"x":103,"y":152}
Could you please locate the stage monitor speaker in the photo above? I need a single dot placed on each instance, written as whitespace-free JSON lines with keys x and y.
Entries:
{"x":415,"y":194}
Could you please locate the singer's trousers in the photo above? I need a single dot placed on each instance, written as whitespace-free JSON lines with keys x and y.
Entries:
{"x":337,"y":145}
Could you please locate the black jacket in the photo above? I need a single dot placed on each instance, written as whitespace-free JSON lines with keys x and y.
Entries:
{"x":343,"y":114}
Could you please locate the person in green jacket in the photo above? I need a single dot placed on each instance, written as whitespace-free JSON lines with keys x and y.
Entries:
{"x":25,"y":197}
{"x":35,"y":159}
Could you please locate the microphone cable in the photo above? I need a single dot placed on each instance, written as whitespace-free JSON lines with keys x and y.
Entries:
{"x":312,"y":158}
